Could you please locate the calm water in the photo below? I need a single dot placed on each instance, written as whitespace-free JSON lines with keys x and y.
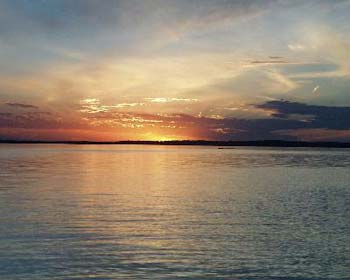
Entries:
{"x":153,"y":212}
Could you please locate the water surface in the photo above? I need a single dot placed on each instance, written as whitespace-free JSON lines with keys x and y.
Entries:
{"x":158,"y":212}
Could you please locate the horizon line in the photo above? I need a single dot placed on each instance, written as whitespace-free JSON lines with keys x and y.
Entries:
{"x":199,"y":142}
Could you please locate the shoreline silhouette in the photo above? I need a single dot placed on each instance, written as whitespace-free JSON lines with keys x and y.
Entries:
{"x":258,"y":143}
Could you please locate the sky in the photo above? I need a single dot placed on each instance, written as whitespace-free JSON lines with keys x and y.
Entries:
{"x":175,"y":70}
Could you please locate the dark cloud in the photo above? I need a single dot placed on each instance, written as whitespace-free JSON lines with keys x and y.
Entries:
{"x":330,"y":117}
{"x":270,"y":62}
{"x":286,"y":116}
{"x":288,"y":121}
{"x":204,"y":127}
{"x":21,"y":105}
{"x":32,"y":120}
{"x":276,"y":57}
{"x":280,"y":60}
{"x":5,"y":115}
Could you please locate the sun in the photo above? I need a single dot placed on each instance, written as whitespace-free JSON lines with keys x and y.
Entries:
{"x":159,"y":137}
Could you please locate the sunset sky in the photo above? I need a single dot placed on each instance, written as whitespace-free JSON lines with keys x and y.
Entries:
{"x":174,"y":69}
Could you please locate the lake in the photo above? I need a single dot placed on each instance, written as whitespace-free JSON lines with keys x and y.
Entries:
{"x":173,"y":212}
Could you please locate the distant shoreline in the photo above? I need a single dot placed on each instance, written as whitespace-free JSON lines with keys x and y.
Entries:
{"x":261,"y":143}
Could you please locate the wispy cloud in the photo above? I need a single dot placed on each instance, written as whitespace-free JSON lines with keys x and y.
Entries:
{"x":93,"y":106}
{"x":270,"y":62}
{"x":130,"y":68}
{"x":169,"y":99}
{"x":297,"y":47}
{"x":21,"y":105}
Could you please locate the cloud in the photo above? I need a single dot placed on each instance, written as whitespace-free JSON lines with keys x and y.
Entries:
{"x":32,"y":120}
{"x":21,"y":105}
{"x":330,"y":117}
{"x":170,"y":99}
{"x":188,"y":65}
{"x":316,"y":88}
{"x":93,"y":106}
{"x":279,"y":60}
{"x":271,"y":60}
{"x":194,"y":127}
{"x":325,"y":43}
{"x":268,"y":62}
{"x":275,"y":57}
{"x":296,"y":47}
{"x":127,"y":105}
{"x":5,"y":115}
{"x":288,"y":121}
{"x":281,"y":80}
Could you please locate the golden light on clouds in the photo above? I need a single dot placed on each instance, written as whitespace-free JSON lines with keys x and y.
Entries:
{"x":182,"y":70}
